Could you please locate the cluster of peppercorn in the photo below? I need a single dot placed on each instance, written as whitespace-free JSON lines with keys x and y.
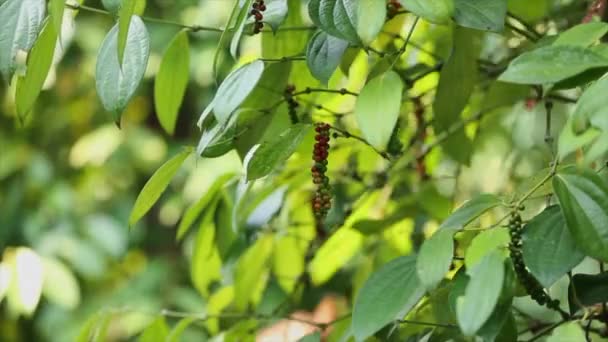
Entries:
{"x":322,"y":199}
{"x":292,"y":104}
{"x":257,"y":8}
{"x":392,"y":8}
{"x":531,"y":284}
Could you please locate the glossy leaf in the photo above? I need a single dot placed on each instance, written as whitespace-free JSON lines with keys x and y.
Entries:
{"x":388,"y":295}
{"x":470,"y":210}
{"x":456,"y":83}
{"x":323,"y":55}
{"x":548,"y":247}
{"x":371,"y":15}
{"x":336,"y":17}
{"x":56,"y":9}
{"x":21,"y":21}
{"x":171,"y":81}
{"x":250,"y":269}
{"x":39,"y":63}
{"x":481,"y":294}
{"x":582,"y":34}
{"x":156,"y":185}
{"x":127,"y":8}
{"x":587,"y":290}
{"x":233,"y":91}
{"x":275,"y":152}
{"x":583,"y":196}
{"x":435,"y":258}
{"x":116,"y":84}
{"x":378,"y":107}
{"x":488,"y":15}
{"x":550,"y":64}
{"x":435,"y":11}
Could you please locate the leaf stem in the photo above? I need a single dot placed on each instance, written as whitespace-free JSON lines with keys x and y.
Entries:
{"x":347,"y":134}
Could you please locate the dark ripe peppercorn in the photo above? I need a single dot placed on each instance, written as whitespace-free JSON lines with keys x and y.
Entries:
{"x":392,"y":7}
{"x":322,"y":198}
{"x":292,"y":104}
{"x":258,"y":7}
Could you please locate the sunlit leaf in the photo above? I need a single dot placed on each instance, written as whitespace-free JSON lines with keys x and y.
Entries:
{"x":156,"y":185}
{"x":27,"y":281}
{"x":156,"y":331}
{"x":56,"y":9}
{"x":436,"y":11}
{"x":582,"y":34}
{"x":175,"y":335}
{"x":371,"y":15}
{"x":206,"y":263}
{"x":486,"y":242}
{"x":60,"y":285}
{"x":435,"y":258}
{"x":470,"y":210}
{"x":568,"y":332}
{"x":336,"y":17}
{"x":250,"y":269}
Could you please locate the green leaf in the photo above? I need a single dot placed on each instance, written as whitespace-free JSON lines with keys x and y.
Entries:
{"x":176,"y":333}
{"x":233,"y":91}
{"x":250,"y":269}
{"x":486,"y":242}
{"x":125,"y":13}
{"x":39,"y":62}
{"x":583,"y":196}
{"x":378,"y":107}
{"x":171,"y":81}
{"x":223,"y":37}
{"x":567,"y":333}
{"x":194,"y":211}
{"x":156,"y":331}
{"x":569,"y":141}
{"x":550,"y":64}
{"x":21,"y":21}
{"x":56,"y":9}
{"x":487,"y":15}
{"x":582,"y":34}
{"x":435,"y":11}
{"x":388,"y":295}
{"x":314,"y":337}
{"x":274,"y":15}
{"x":115,"y":84}
{"x":435,"y":258}
{"x":239,"y":25}
{"x":113,"y":6}
{"x":470,"y":210}
{"x":275,"y":152}
{"x":206,"y":263}
{"x":591,"y":107}
{"x":481,"y":294}
{"x":156,"y":185}
{"x":548,"y":247}
{"x":587,"y":290}
{"x":456,"y":83}
{"x":336,"y":17}
{"x":371,"y":15}
{"x":323,"y":55}
{"x":95,"y":328}
{"x":60,"y":285}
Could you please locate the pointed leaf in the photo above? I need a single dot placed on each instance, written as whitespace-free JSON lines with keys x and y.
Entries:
{"x":488,"y":15}
{"x":435,"y":258}
{"x":582,"y":34}
{"x":125,"y":13}
{"x":21,"y":21}
{"x":435,"y":11}
{"x":323,"y":55}
{"x":550,"y":64}
{"x":56,"y":9}
{"x":388,"y":295}
{"x":470,"y":210}
{"x":115,"y":84}
{"x":206,"y":263}
{"x":250,"y":269}
{"x":156,"y":185}
{"x":377,"y":109}
{"x":39,"y":63}
{"x":548,"y":247}
{"x":171,"y":81}
{"x":176,"y":333}
{"x":481,"y":294}
{"x":275,"y":152}
{"x":583,"y":196}
{"x":371,"y":15}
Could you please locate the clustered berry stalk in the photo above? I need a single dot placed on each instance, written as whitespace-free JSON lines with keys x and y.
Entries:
{"x":292,"y":104}
{"x":321,"y":202}
{"x":392,"y":7}
{"x":258,"y":7}
{"x":529,"y":282}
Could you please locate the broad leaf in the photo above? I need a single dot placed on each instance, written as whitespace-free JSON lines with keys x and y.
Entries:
{"x":550,"y":64}
{"x":116,"y":84}
{"x":583,"y":196}
{"x":125,"y":13}
{"x":60,"y":285}
{"x":175,"y":335}
{"x":470,"y":210}
{"x":233,"y":91}
{"x":591,"y":107}
{"x":548,"y":247}
{"x":250,"y":269}
{"x":484,"y":243}
{"x":371,"y":15}
{"x":206,"y":263}
{"x":314,"y":337}
{"x":488,"y":15}
{"x":156,"y":331}
{"x":323,"y":55}
{"x":56,"y":9}
{"x":171,"y":81}
{"x":456,"y":83}
{"x":435,"y":258}
{"x":582,"y":34}
{"x":587,"y":290}
{"x":481,"y":294}
{"x":275,"y":152}
{"x":436,"y":11}
{"x":39,"y":62}
{"x":239,"y":25}
{"x":568,"y":332}
{"x":21,"y":21}
{"x":388,"y":295}
{"x":156,"y":185}
{"x":377,"y":109}
{"x":336,"y":17}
